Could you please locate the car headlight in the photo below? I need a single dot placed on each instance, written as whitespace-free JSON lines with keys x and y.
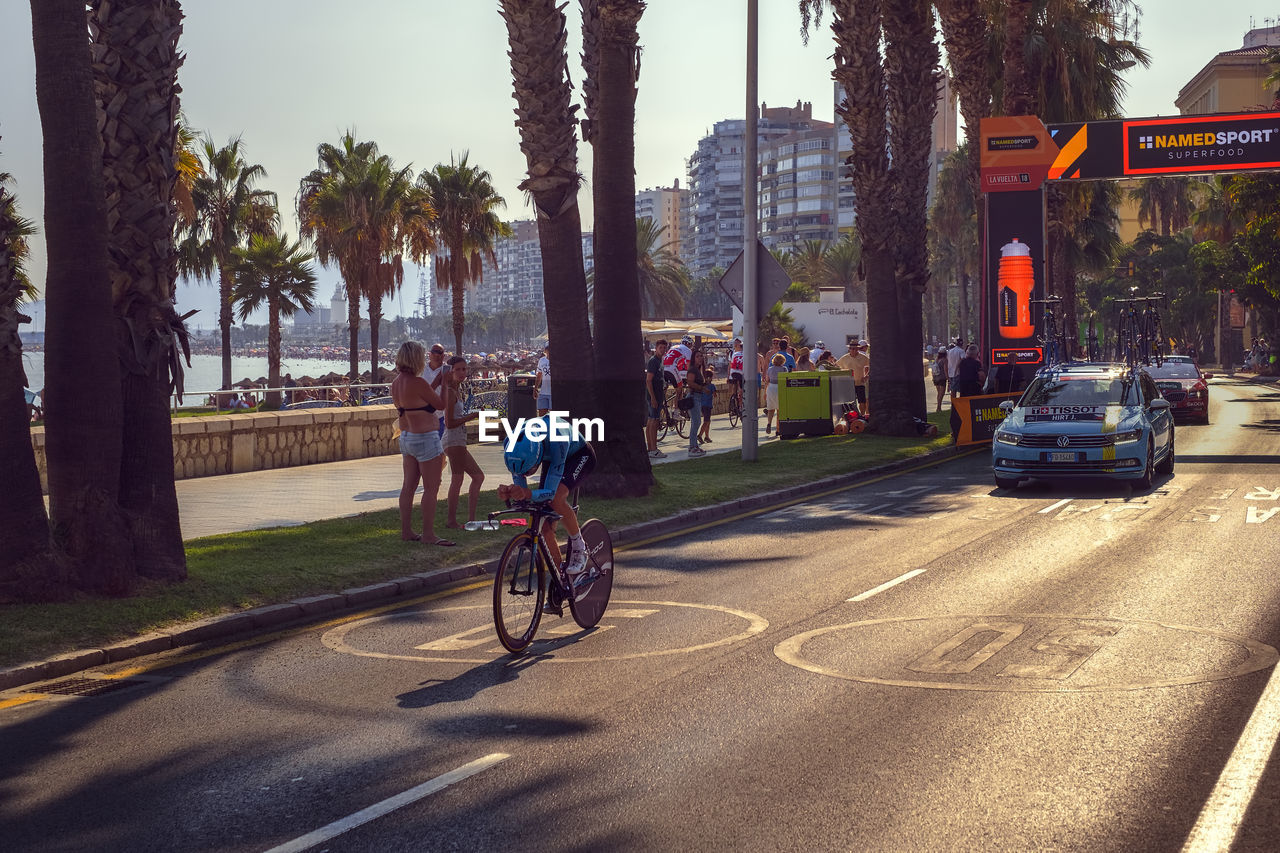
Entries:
{"x":1125,"y":437}
{"x":1196,"y":395}
{"x":1006,"y":437}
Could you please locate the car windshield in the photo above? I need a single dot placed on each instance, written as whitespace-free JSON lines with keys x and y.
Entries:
{"x":1067,"y":390}
{"x":1174,"y":370}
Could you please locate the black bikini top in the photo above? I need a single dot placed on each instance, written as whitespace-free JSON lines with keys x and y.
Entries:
{"x":426,"y":408}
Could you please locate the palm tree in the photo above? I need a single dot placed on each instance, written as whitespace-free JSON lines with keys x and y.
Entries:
{"x":190,"y":169}
{"x":546,"y":122}
{"x":272,"y":272}
{"x":364,"y":214}
{"x":83,"y":453}
{"x":466,"y":227}
{"x":888,"y":107}
{"x":1219,"y":216}
{"x":228,"y":209}
{"x":135,"y":62}
{"x":21,"y":505}
{"x":1164,"y":204}
{"x":664,"y":283}
{"x":841,"y":262}
{"x":953,"y":237}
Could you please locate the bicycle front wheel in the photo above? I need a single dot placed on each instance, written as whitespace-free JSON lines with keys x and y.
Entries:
{"x":590,"y":600}
{"x":518,"y":593}
{"x":735,"y":414}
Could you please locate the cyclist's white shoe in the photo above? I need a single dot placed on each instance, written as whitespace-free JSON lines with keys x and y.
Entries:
{"x":657,"y":454}
{"x":577,"y":561}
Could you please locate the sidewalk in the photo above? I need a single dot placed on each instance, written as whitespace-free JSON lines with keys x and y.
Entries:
{"x":285,"y":497}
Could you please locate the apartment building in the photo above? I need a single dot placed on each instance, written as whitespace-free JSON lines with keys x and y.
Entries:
{"x":516,"y":282}
{"x":1232,"y":81}
{"x":713,"y":219}
{"x":665,"y":206}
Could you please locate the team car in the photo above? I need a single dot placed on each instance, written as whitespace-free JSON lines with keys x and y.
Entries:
{"x":1085,"y":420}
{"x":1184,"y":386}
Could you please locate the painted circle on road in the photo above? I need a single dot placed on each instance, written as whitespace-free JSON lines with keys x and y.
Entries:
{"x":1027,"y":653}
{"x":557,"y":641}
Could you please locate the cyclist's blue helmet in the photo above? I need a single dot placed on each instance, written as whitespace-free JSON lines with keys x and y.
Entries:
{"x":524,"y":457}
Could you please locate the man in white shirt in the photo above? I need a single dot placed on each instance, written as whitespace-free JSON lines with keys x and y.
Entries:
{"x":543,"y":381}
{"x":954,"y":356}
{"x":675,"y":364}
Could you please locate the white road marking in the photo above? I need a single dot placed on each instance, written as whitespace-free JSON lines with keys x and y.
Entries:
{"x":1052,"y":507}
{"x":377,"y":810}
{"x":863,"y":596}
{"x":1225,"y":809}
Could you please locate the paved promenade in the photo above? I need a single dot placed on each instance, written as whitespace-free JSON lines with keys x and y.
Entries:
{"x":291,"y":496}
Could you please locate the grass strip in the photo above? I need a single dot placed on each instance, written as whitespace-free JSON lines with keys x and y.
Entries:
{"x":237,"y":571}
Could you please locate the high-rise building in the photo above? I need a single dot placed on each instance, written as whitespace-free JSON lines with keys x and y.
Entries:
{"x":665,"y":207}
{"x":713,"y":219}
{"x":516,"y":282}
{"x":1232,"y":81}
{"x":798,"y":187}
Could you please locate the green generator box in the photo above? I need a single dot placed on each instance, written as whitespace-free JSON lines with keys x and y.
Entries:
{"x":804,"y":403}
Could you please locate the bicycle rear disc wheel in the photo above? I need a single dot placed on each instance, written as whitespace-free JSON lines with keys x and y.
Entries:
{"x":517,"y":594}
{"x":588,"y":605}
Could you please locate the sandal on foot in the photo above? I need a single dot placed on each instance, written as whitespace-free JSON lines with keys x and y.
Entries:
{"x":443,"y":543}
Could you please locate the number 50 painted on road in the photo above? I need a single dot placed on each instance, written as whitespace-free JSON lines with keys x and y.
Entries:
{"x":1070,"y":645}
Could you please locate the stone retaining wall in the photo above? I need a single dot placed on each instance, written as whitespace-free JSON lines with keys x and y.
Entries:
{"x":233,"y":444}
{"x":254,"y":441}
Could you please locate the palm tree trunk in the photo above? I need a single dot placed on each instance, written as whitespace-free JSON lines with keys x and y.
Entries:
{"x":225,"y":319}
{"x":82,"y":376}
{"x":912,"y":77}
{"x":459,"y":294}
{"x":962,"y":306}
{"x":28,"y":568}
{"x":611,"y":55}
{"x":375,"y":320}
{"x":545,"y":119}
{"x":1019,"y":97}
{"x":136,"y":76}
{"x":272,"y":399}
{"x":353,"y":328}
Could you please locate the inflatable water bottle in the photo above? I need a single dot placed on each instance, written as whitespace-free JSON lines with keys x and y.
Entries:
{"x":1015,"y":283}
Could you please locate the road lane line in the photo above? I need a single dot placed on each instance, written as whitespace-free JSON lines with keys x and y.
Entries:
{"x":1225,"y":809}
{"x":863,"y":596}
{"x":1052,"y":507}
{"x":377,"y":810}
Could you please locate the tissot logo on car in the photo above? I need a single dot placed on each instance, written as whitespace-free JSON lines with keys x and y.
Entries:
{"x":1202,"y":144}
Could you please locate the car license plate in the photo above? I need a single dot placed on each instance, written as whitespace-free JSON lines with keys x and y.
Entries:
{"x":1062,"y":457}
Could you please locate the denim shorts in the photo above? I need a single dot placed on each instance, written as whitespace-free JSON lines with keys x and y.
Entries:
{"x":654,"y":412}
{"x":423,"y":446}
{"x":544,"y":401}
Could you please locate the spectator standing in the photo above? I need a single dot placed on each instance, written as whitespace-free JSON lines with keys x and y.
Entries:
{"x":543,"y":380}
{"x":417,"y":404}
{"x":970,"y":374}
{"x":707,"y":401}
{"x":433,"y":372}
{"x":816,"y":353}
{"x":858,"y":363}
{"x":695,"y":379}
{"x":938,"y":372}
{"x":454,"y":443}
{"x":655,"y":388}
{"x":776,"y":367}
{"x":289,"y":385}
{"x":784,"y":347}
{"x":804,"y":362}
{"x":954,"y":356}
{"x":1008,"y":376}
{"x":827,"y":361}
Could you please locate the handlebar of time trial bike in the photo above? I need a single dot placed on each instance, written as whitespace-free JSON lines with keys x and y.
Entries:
{"x":525,"y":507}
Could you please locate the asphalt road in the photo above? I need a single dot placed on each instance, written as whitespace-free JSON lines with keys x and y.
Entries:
{"x":920,"y":663}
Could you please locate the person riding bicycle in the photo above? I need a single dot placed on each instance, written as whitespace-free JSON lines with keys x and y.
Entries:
{"x":736,"y":365}
{"x":566,"y":463}
{"x":675,"y":364}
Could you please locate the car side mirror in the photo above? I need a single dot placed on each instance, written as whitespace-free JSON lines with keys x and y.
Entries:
{"x":1208,"y":375}
{"x":1157,"y":405}
{"x":1006,"y":406}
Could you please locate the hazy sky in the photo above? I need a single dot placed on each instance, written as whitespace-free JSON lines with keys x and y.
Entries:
{"x":429,"y":78}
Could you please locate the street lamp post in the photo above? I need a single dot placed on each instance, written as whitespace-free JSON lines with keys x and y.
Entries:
{"x":750,"y":308}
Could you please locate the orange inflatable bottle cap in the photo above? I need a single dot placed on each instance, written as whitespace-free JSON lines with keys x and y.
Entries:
{"x":1015,"y":249}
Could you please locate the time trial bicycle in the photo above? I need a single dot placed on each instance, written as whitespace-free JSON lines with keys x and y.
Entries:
{"x":528,"y":576}
{"x":1055,"y":343}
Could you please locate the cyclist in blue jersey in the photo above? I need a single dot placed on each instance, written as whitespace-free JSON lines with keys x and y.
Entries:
{"x":565,"y":465}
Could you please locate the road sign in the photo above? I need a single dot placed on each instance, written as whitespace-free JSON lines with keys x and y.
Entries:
{"x":773,"y":280}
